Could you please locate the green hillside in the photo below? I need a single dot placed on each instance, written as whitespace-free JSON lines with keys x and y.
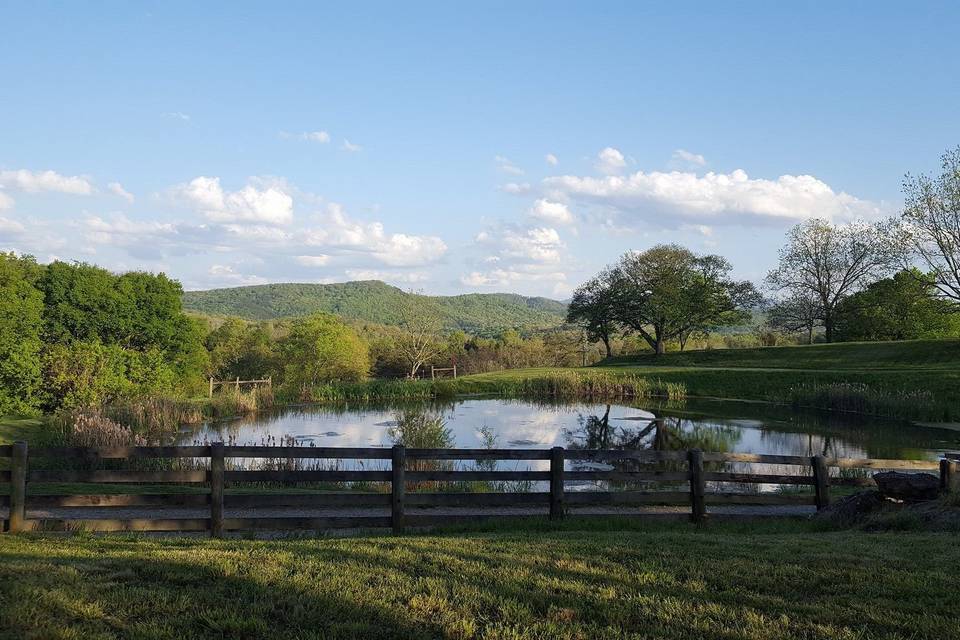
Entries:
{"x":374,"y":301}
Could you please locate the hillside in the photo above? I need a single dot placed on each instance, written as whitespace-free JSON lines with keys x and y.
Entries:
{"x":375,"y":301}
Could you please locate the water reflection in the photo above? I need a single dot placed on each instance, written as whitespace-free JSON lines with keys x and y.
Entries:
{"x":708,"y":425}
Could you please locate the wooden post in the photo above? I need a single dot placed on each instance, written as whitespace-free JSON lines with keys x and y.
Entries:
{"x":398,"y":489}
{"x":216,"y":490}
{"x":433,"y":375}
{"x":18,"y":486}
{"x":556,"y":483}
{"x":454,"y":371}
{"x":211,"y":386}
{"x":698,"y":486}
{"x":949,"y":476}
{"x":238,"y":386}
{"x":821,"y":480}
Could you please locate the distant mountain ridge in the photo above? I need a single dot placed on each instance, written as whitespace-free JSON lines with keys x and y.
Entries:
{"x":377,"y":302}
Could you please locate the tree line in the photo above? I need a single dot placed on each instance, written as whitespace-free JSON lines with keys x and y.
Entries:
{"x":893,"y":280}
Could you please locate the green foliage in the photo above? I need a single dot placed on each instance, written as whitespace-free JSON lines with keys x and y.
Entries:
{"x":904,"y":307}
{"x":322,"y":349}
{"x":21,"y":312}
{"x":421,"y":430}
{"x":243,"y":350}
{"x":379,"y":303}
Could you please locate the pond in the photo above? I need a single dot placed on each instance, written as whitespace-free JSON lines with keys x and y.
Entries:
{"x":731,"y":426}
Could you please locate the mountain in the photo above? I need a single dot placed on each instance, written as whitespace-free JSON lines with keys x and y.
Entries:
{"x":374,"y":301}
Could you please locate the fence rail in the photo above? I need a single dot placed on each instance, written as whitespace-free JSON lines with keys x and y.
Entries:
{"x":692,"y":479}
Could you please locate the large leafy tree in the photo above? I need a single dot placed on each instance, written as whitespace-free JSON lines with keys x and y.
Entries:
{"x":904,"y":307}
{"x":799,"y":311}
{"x":320,"y":349}
{"x":21,"y":308}
{"x":668,"y":291}
{"x":931,"y":223}
{"x":593,"y":308}
{"x":830,"y":262}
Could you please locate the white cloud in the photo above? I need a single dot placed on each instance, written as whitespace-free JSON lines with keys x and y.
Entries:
{"x":683,"y":157}
{"x":321,"y":137}
{"x":397,"y":249}
{"x":313,"y":261}
{"x":7,"y":225}
{"x":176,"y":115}
{"x":349,"y":146}
{"x":506,"y":165}
{"x":676,"y":198}
{"x":555,"y":212}
{"x":226,"y":274}
{"x":35,"y":182}
{"x":6,"y":202}
{"x":610,"y":161}
{"x":403,"y":277}
{"x":510,"y":277}
{"x":551,"y":160}
{"x":541,"y":245}
{"x":271,"y":205}
{"x":516,"y":188}
{"x":117,"y":189}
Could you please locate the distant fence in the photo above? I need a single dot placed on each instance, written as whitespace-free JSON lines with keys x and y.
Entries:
{"x":692,"y":479}
{"x":238,"y":384}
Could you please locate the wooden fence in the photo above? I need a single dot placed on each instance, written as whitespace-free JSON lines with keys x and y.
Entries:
{"x":691,"y":479}
{"x":238,"y":384}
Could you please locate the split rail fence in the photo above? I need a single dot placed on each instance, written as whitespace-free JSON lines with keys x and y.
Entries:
{"x":692,"y":479}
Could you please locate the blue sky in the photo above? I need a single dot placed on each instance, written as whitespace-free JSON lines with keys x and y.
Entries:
{"x":495,"y":147}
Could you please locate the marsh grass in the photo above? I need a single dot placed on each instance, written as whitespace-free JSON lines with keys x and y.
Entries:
{"x":848,"y":397}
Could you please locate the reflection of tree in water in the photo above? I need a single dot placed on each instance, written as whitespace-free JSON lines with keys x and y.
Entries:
{"x":664,"y":434}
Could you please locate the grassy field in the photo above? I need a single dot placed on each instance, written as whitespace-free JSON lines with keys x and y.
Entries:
{"x":913,"y":380}
{"x":776,"y":580}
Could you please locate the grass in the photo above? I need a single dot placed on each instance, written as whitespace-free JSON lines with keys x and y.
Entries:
{"x":917,"y":380}
{"x":606,"y":580}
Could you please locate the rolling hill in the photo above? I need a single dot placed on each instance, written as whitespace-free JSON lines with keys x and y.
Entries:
{"x":374,"y":301}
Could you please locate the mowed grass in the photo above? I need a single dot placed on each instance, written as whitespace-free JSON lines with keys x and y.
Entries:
{"x":656,"y":581}
{"x":913,"y":379}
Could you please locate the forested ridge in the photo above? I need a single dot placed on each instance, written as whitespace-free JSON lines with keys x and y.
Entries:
{"x":484,"y":314}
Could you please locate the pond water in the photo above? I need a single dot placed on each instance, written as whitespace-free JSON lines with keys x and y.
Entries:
{"x":710,"y":425}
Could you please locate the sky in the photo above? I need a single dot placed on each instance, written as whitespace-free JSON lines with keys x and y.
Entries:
{"x":452,"y":147}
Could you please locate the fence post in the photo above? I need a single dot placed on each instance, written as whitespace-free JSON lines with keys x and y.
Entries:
{"x":18,"y":486}
{"x":398,"y":487}
{"x":556,"y":483}
{"x":821,"y":481}
{"x":698,"y":486}
{"x":211,"y":387}
{"x":949,"y":476}
{"x":216,"y":490}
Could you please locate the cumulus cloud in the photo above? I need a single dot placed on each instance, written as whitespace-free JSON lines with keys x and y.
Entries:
{"x":682,"y":157}
{"x":506,"y":165}
{"x":270,"y":204}
{"x":8,"y":225}
{"x":176,"y":115}
{"x":349,"y":146}
{"x":554,"y":212}
{"x":226,"y":274}
{"x":6,"y":202}
{"x":38,"y":181}
{"x":394,"y":277}
{"x":117,"y":189}
{"x":516,"y":188}
{"x":676,"y":198}
{"x":610,"y":161}
{"x":313,"y":261}
{"x":551,"y":160}
{"x":321,"y":137}
{"x":536,"y":245}
{"x":396,"y":249}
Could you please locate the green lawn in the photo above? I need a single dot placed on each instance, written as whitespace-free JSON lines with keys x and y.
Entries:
{"x":914,"y":379}
{"x":771,"y":580}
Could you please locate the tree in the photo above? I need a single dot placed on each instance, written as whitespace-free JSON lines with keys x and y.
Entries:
{"x":668,"y":291}
{"x":21,"y":322}
{"x":830,"y":262}
{"x":904,"y":307}
{"x":421,"y":323}
{"x":321,"y":349}
{"x":931,"y":223}
{"x":592,"y":307}
{"x":801,"y":311}
{"x":241,"y":349}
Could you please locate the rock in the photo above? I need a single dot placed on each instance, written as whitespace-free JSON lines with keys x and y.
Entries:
{"x":853,"y":508}
{"x":909,"y":487}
